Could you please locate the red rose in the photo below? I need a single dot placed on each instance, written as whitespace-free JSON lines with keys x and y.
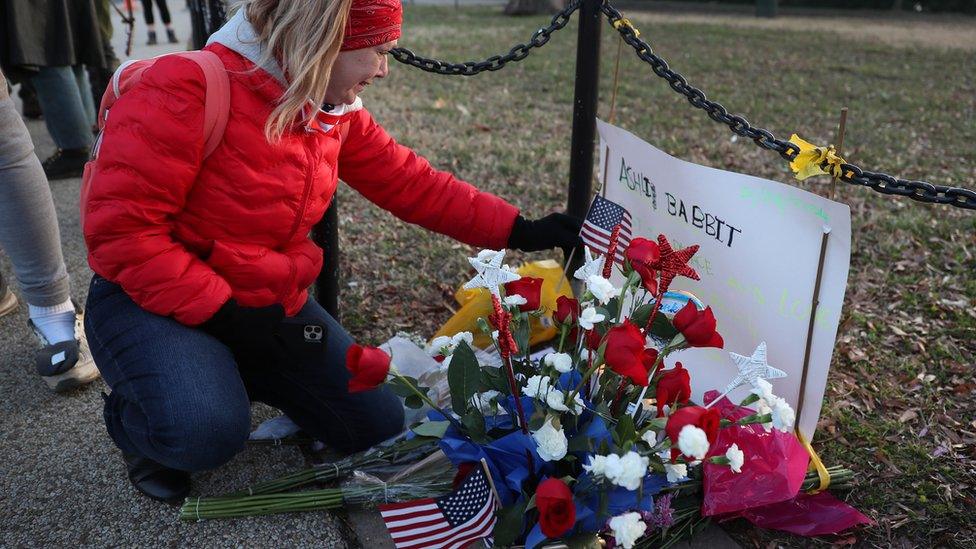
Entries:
{"x":673,"y":385}
{"x":368,"y":366}
{"x":464,"y":468}
{"x":625,"y":353}
{"x":567,"y":310}
{"x":706,"y":420}
{"x":698,"y":327}
{"x":557,"y":513}
{"x":591,"y":338}
{"x":529,"y":288}
{"x":648,"y":278}
{"x":641,"y":252}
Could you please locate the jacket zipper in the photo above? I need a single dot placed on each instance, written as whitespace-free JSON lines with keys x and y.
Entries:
{"x":303,"y":205}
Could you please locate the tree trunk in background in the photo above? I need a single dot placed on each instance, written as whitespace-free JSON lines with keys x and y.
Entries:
{"x":533,"y":7}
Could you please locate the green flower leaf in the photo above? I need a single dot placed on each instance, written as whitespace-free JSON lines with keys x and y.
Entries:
{"x":463,"y":377}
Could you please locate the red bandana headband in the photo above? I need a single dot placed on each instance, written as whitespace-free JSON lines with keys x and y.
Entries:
{"x":371,"y":23}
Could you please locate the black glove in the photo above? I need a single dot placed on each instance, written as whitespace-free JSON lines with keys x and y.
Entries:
{"x":554,"y":230}
{"x":251,"y":333}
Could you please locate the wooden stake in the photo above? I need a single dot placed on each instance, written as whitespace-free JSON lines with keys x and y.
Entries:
{"x":841,"y":128}
{"x":813,"y":317}
{"x":491,"y":483}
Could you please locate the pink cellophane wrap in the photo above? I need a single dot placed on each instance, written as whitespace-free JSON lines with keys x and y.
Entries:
{"x":806,"y":515}
{"x":774,"y":468}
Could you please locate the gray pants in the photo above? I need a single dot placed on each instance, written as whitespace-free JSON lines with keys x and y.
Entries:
{"x":28,"y":225}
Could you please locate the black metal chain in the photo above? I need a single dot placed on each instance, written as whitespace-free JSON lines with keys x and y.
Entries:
{"x":495,"y":62}
{"x":883,"y":183}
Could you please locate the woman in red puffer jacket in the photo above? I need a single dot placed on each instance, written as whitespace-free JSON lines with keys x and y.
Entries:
{"x":199,"y":302}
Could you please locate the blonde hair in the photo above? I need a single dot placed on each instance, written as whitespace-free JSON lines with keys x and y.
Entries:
{"x":304,"y":36}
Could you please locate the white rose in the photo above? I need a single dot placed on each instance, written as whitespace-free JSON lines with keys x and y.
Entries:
{"x":551,"y":442}
{"x":556,"y":400}
{"x":650,"y":437}
{"x":736,"y":458}
{"x":562,"y":362}
{"x":597,"y":465}
{"x":536,"y":387}
{"x":483,"y":402}
{"x":627,"y":529}
{"x":676,"y":471}
{"x":692,"y":441}
{"x":515,"y":300}
{"x":589,"y":317}
{"x":783,"y":415}
{"x":601,"y":288}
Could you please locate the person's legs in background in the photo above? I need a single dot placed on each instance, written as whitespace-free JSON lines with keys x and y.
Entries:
{"x":164,"y":15}
{"x":99,"y":76}
{"x":69,"y":113}
{"x":29,"y":235}
{"x":147,"y":15}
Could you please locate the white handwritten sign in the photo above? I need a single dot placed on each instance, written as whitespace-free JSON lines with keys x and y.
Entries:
{"x":760,"y":246}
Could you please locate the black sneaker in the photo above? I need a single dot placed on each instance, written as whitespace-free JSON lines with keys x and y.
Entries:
{"x":171,"y":36}
{"x":157,"y":481}
{"x":152,"y":39}
{"x":66,"y":163}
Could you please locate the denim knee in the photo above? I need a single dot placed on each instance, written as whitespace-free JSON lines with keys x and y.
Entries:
{"x":207,"y":439}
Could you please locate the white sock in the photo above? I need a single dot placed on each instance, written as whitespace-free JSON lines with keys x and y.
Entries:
{"x":57,"y":323}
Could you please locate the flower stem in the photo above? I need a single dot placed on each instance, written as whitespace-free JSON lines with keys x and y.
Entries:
{"x":426,"y":399}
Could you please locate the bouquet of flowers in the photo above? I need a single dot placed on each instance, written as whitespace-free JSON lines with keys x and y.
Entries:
{"x":599,"y":438}
{"x":595,"y":441}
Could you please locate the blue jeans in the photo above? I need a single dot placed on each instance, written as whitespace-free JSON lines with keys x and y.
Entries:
{"x":66,"y":100}
{"x":179,"y":398}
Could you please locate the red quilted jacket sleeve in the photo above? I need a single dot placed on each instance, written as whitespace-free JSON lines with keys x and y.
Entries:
{"x":397,"y":179}
{"x":151,"y":152}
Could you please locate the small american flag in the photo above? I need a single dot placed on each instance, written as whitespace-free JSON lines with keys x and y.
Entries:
{"x":451,"y":521}
{"x":603,"y":216}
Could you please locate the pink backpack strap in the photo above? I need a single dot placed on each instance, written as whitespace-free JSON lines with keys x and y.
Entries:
{"x":216,"y":108}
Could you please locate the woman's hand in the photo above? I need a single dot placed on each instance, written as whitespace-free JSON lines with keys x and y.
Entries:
{"x":249,"y":332}
{"x":552,"y":231}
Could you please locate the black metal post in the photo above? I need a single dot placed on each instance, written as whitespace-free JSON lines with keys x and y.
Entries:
{"x":584,"y":113}
{"x":766,"y":8}
{"x":326,"y":236}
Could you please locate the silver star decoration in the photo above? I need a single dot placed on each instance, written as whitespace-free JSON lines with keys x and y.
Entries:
{"x":752,"y":368}
{"x":591,"y":266}
{"x":491,"y":273}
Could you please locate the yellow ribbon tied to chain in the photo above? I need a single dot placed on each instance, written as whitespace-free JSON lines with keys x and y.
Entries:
{"x":624,"y":22}
{"x":813,"y":160}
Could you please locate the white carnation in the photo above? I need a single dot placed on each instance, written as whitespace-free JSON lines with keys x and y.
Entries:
{"x":439,"y":346}
{"x":783,"y":415}
{"x":627,"y":529}
{"x":626,"y":471}
{"x":676,"y":471}
{"x":589,"y":317}
{"x":562,"y":362}
{"x":515,"y":300}
{"x":763,"y":389}
{"x":601,"y":288}
{"x":692,"y":441}
{"x":551,"y":442}
{"x":466,"y":337}
{"x":736,"y":458}
{"x":762,"y":409}
{"x":597,"y":465}
{"x":536,"y":387}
